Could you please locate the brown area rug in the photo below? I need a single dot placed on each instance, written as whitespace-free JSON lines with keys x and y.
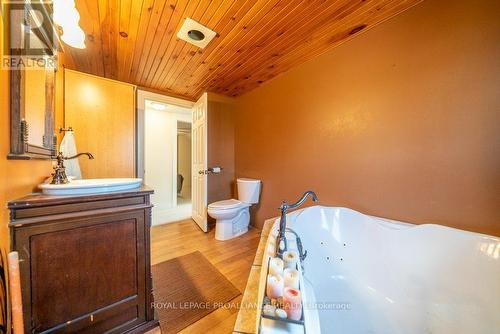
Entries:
{"x":186,"y":289}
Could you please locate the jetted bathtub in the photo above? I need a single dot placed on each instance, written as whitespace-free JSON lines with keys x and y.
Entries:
{"x":365,"y":274}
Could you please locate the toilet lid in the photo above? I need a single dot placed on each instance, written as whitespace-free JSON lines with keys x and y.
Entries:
{"x":226,"y":204}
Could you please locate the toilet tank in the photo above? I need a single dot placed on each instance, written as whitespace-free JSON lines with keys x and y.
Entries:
{"x":248,"y":190}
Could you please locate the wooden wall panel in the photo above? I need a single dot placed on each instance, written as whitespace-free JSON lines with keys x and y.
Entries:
{"x":102,"y":114}
{"x":135,"y":40}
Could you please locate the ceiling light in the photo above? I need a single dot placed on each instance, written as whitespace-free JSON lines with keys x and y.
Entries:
{"x":158,"y":106}
{"x":70,"y":18}
{"x":74,"y":37}
{"x":67,"y":17}
{"x":65,"y":13}
{"x":195,"y":33}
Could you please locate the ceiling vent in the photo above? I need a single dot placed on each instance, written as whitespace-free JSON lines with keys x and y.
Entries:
{"x":195,"y":33}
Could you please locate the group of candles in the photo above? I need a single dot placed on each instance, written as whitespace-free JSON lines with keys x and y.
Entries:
{"x":283,"y":284}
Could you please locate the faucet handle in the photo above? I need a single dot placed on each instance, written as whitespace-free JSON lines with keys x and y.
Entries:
{"x":88,"y":154}
{"x":302,"y":252}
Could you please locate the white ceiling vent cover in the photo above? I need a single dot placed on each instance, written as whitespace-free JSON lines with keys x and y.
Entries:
{"x":195,"y":33}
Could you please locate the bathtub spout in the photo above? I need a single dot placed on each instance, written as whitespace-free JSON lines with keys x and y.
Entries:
{"x":281,"y":244}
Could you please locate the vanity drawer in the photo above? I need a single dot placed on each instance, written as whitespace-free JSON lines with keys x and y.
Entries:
{"x":32,"y":212}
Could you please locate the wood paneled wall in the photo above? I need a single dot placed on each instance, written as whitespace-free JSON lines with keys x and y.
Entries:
{"x":402,"y":122}
{"x":102,"y":114}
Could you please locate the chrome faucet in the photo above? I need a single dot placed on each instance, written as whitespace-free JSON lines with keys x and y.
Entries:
{"x":59,"y":175}
{"x":281,"y":243}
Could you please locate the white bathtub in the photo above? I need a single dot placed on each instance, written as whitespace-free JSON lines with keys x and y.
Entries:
{"x":372,"y":275}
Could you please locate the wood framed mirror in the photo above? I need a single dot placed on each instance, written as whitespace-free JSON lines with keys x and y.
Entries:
{"x":32,"y":84}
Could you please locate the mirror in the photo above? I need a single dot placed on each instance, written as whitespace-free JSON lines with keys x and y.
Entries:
{"x":32,"y":114}
{"x":35,"y":88}
{"x":32,"y":86}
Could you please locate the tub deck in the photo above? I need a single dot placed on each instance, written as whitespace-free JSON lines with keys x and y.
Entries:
{"x":246,"y":319}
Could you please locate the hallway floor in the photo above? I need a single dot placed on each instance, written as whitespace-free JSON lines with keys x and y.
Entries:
{"x":233,"y":258}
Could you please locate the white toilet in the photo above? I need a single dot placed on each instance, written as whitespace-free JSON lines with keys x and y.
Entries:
{"x":233,"y":215}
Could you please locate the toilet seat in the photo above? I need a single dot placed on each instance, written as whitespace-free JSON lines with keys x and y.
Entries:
{"x":227,"y":204}
{"x":232,"y":218}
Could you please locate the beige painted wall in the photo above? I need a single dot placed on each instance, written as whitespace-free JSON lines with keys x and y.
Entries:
{"x":401,"y":122}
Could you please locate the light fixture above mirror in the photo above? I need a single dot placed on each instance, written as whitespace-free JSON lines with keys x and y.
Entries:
{"x":74,"y":37}
{"x":67,"y":17}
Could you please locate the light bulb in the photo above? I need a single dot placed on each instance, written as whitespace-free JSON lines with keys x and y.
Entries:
{"x":74,"y":37}
{"x":64,"y":12}
{"x":69,"y":17}
{"x":158,"y":106}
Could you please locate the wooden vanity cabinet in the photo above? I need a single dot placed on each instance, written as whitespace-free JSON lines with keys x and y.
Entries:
{"x":84,"y":262}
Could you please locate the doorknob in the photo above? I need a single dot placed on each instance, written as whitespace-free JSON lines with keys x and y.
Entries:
{"x":211,"y":170}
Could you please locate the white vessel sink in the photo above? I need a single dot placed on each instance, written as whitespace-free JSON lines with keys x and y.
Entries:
{"x":90,"y":186}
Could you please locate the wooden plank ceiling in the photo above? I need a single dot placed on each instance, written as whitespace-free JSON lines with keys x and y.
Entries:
{"x":135,"y":40}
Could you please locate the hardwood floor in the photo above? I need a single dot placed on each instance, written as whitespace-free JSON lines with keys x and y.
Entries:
{"x":233,"y":258}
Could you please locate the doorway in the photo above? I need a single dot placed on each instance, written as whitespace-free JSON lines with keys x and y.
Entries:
{"x":164,"y":154}
{"x":172,"y":156}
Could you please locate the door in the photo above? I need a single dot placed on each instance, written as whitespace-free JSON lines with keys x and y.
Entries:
{"x":199,"y":161}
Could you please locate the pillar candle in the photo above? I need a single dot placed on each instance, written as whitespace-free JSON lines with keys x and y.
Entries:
{"x":276,"y":266}
{"x":275,"y":286}
{"x":271,"y":246}
{"x":292,"y":303}
{"x":290,"y":258}
{"x":291,"y":277}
